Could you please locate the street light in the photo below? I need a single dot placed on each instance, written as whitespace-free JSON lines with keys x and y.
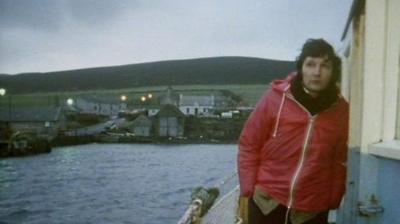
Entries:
{"x":2,"y":93}
{"x":143,"y":98}
{"x":149,"y":95}
{"x":123,"y":98}
{"x":70,"y":101}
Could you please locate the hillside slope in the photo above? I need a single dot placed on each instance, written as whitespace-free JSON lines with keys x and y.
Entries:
{"x":203,"y":71}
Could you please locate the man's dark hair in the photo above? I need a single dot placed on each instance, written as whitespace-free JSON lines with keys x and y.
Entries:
{"x":317,"y":48}
{"x":320,"y":48}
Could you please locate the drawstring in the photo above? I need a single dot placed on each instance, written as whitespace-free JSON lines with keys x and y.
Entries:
{"x":280,"y":110}
{"x":287,"y":216}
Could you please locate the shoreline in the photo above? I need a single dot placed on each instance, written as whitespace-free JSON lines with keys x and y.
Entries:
{"x":77,"y":140}
{"x":5,"y":152}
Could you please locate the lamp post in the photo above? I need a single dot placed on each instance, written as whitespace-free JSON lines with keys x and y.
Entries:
{"x":70,"y":102}
{"x":123,"y":106}
{"x":3,"y":92}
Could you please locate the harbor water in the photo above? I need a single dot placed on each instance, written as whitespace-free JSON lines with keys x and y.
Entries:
{"x":110,"y":183}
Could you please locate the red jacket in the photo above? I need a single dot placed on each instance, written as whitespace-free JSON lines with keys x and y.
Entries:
{"x":296,"y":158}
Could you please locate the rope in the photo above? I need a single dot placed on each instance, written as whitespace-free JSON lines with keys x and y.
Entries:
{"x":202,"y":200}
{"x":192,"y":213}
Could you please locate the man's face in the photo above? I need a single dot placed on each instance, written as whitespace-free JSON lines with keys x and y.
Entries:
{"x":317,"y":72}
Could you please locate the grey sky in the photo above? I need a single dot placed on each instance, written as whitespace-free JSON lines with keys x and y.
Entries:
{"x":53,"y":35}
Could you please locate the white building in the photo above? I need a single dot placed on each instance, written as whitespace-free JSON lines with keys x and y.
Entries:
{"x":98,"y":106}
{"x":196,"y":105}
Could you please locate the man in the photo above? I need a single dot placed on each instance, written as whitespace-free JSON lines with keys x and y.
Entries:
{"x":293,"y":148}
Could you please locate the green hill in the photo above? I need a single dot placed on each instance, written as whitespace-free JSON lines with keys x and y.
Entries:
{"x":203,"y":71}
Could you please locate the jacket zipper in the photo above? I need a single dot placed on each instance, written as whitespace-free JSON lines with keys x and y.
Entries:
{"x":299,"y":166}
{"x":303,"y":154}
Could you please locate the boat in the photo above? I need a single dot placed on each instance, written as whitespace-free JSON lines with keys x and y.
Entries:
{"x":25,"y":143}
{"x":370,"y":82}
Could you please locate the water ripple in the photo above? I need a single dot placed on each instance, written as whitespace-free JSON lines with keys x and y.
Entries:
{"x":110,"y":183}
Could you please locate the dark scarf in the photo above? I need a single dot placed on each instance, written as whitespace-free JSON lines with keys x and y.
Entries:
{"x":314,"y":105}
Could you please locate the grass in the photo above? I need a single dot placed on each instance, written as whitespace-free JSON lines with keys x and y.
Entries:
{"x":249,"y":93}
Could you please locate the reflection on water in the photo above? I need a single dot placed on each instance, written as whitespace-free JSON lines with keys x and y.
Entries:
{"x":112,"y":183}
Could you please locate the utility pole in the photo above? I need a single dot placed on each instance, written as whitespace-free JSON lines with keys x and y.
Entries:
{"x":8,"y":123}
{"x":2,"y":93}
{"x":9,"y":110}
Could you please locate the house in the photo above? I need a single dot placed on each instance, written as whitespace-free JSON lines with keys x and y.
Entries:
{"x":44,"y":121}
{"x":141,"y":126}
{"x":371,"y":83}
{"x":98,"y":106}
{"x":169,"y":122}
{"x":196,"y":105}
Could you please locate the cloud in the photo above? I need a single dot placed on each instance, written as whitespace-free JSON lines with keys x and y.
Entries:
{"x":98,"y":12}
{"x":49,"y":35}
{"x":43,"y":15}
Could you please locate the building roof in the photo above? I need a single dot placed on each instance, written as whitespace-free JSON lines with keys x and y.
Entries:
{"x":30,"y":114}
{"x":205,"y":101}
{"x":169,"y":110}
{"x":356,"y":9}
{"x":145,"y":107}
{"x":141,"y":120}
{"x":102,"y":99}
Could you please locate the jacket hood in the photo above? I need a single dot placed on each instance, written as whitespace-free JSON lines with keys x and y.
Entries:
{"x":282,"y":85}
